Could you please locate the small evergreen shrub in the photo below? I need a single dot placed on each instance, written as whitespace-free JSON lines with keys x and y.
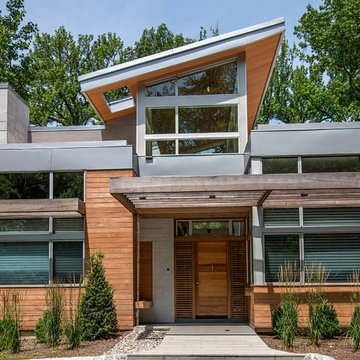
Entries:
{"x":97,"y":309}
{"x":354,"y":328}
{"x":324,"y":323}
{"x":10,"y":323}
{"x":284,"y":322}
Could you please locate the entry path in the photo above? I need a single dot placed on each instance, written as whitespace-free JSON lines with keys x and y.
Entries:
{"x":238,"y":341}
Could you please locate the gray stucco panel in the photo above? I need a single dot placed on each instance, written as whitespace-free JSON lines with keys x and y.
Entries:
{"x":287,"y":140}
{"x":67,"y":156}
{"x":222,"y":164}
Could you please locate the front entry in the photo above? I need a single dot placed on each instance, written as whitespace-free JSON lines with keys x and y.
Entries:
{"x":211,"y":280}
{"x":210,"y":270}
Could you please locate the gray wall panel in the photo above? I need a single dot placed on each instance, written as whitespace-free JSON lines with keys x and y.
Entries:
{"x":224,"y":164}
{"x":306,"y":139}
{"x":67,"y":156}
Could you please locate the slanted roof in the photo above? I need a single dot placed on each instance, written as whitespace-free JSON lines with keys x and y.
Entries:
{"x":259,"y":43}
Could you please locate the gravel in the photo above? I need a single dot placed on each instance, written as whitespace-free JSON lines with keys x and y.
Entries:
{"x":138,"y":341}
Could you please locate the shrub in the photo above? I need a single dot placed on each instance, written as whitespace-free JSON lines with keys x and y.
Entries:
{"x":97,"y":309}
{"x":10,"y":322}
{"x":354,"y":328}
{"x":323,"y":322}
{"x":41,"y":328}
{"x":49,"y":327}
{"x":284,"y":322}
{"x":73,"y":328}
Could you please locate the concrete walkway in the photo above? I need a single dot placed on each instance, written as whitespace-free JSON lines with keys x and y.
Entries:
{"x":213,"y":341}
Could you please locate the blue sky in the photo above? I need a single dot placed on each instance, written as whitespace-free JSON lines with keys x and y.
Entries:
{"x":128,"y":18}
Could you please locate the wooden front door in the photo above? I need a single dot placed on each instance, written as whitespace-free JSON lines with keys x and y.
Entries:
{"x":211,"y":279}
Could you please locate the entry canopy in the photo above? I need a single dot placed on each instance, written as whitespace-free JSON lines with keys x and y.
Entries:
{"x":142,"y":194}
{"x":259,"y":45}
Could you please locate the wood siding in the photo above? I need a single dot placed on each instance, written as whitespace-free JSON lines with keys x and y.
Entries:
{"x":264,"y":299}
{"x":110,"y":229}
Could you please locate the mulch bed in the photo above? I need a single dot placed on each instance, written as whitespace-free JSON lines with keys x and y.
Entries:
{"x":338,"y":348}
{"x":31,"y":349}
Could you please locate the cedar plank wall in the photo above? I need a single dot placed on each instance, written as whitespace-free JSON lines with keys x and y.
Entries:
{"x":265,"y":298}
{"x":32,"y":303}
{"x":110,"y":229}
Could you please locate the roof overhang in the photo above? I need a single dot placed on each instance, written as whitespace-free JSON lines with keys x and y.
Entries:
{"x":164,"y":193}
{"x":259,"y":43}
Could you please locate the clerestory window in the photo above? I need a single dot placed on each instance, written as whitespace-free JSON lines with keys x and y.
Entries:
{"x":192,"y":113}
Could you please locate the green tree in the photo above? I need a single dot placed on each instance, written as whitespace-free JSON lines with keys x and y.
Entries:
{"x":153,"y":41}
{"x":330,"y":40}
{"x":97,"y":309}
{"x":58,"y":60}
{"x":295,"y":93}
{"x":15,"y":64}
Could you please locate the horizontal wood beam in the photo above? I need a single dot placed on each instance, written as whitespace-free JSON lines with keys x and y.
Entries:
{"x":41,"y":207}
{"x":173,"y":184}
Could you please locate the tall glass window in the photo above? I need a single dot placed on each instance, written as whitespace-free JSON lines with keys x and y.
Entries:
{"x":181,"y":119}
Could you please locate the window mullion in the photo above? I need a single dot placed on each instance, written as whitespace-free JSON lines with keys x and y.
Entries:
{"x":51,"y":261}
{"x":302,"y":259}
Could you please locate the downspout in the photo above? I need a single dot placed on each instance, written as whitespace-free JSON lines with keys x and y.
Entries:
{"x":137,"y":271}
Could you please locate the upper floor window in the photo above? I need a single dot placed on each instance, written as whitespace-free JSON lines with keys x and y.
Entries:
{"x":216,"y":80}
{"x":180,"y":117}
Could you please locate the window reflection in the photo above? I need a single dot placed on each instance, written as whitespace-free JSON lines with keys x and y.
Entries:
{"x":160,"y":120}
{"x":160,"y":147}
{"x":280,"y":165}
{"x":210,"y":146}
{"x":208,"y":119}
{"x":330,"y":164}
{"x":166,"y":88}
{"x":217,"y":80}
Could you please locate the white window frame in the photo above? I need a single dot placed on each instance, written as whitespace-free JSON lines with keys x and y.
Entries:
{"x":176,"y":101}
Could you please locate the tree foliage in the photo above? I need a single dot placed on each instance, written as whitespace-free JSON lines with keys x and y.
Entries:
{"x":320,"y":79}
{"x":15,"y":40}
{"x":58,"y":61}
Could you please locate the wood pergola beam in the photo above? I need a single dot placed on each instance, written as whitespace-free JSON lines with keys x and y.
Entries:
{"x":281,"y":190}
{"x":41,"y":207}
{"x":181,"y":184}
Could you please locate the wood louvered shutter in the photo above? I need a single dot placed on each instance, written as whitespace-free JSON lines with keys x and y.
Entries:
{"x":146,"y":276}
{"x":237,"y":258}
{"x":184,"y":280}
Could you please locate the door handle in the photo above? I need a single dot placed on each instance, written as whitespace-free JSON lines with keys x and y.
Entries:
{"x":197,"y":282}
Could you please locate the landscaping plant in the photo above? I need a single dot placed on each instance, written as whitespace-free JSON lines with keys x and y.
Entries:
{"x":284,"y":319}
{"x":323,"y":321}
{"x":73,"y":328}
{"x":49,"y":328}
{"x":10,"y":321}
{"x":97,"y":309}
{"x":354,"y":327}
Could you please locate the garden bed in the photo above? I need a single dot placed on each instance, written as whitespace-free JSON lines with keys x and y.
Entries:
{"x":125,"y":342}
{"x":338,"y":348}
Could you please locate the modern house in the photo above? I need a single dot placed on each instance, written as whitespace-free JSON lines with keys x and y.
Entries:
{"x":194,"y":207}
